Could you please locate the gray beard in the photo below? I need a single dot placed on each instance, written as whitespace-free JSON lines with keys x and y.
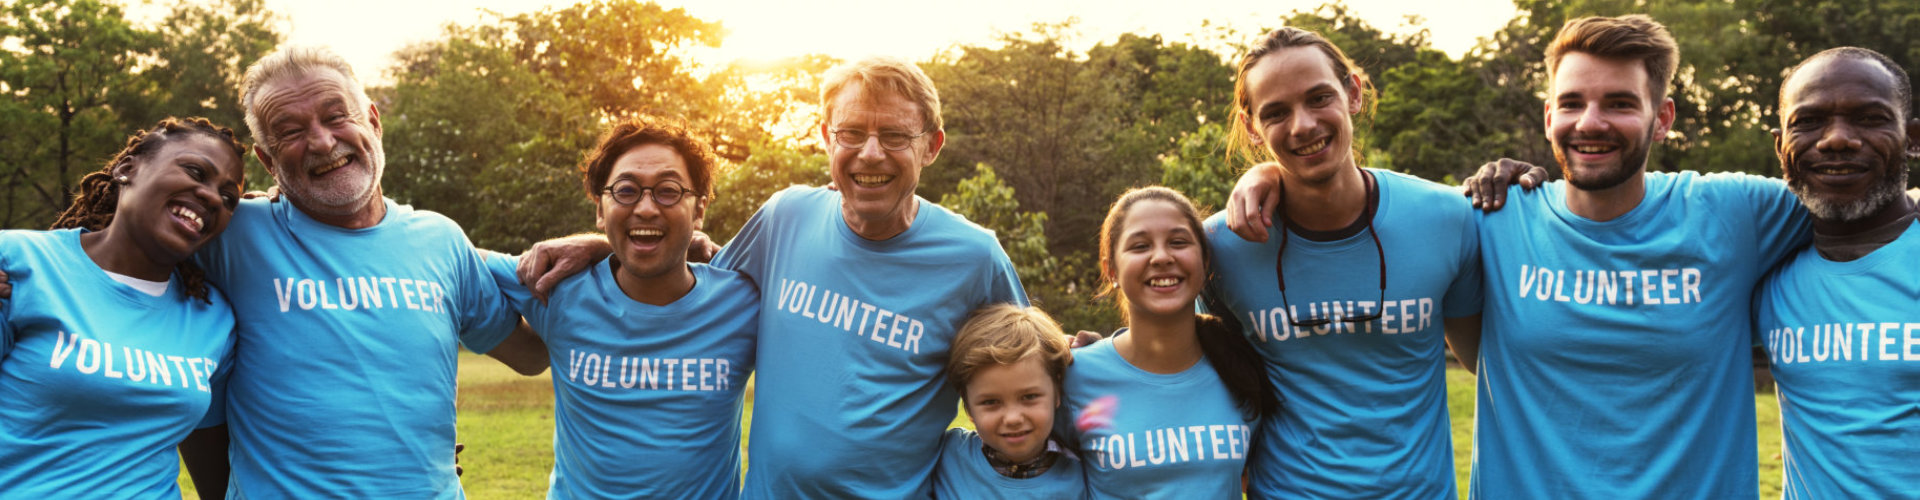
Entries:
{"x":1889,"y":188}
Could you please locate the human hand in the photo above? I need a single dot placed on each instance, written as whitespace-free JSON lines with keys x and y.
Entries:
{"x":702,"y":248}
{"x":1488,"y":186}
{"x":1254,"y":200}
{"x":271,"y":194}
{"x":549,"y":262}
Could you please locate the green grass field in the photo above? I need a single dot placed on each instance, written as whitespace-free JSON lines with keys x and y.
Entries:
{"x":506,"y":421}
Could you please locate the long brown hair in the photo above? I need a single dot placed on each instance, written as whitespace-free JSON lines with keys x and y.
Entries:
{"x":1221,"y":339}
{"x":1239,"y":139}
{"x":97,"y":198}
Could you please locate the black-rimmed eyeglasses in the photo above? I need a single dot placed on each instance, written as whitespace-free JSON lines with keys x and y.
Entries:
{"x":890,"y":141}
{"x":665,"y":194}
{"x":1280,"y":271}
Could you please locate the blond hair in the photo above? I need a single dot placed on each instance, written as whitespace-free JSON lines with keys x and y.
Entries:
{"x":884,"y":74}
{"x":289,"y":62}
{"x":1005,"y":334}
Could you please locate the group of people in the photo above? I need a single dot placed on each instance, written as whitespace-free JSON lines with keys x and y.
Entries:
{"x":305,"y":345}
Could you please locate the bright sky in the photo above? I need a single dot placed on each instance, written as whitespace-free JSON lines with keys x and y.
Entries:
{"x":367,"y":32}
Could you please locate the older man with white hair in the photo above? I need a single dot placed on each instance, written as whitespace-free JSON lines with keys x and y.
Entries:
{"x":350,"y":307}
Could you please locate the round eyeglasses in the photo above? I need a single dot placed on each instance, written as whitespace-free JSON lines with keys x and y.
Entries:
{"x":628,"y":193}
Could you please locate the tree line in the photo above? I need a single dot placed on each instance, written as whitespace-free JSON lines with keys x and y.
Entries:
{"x":488,"y":122}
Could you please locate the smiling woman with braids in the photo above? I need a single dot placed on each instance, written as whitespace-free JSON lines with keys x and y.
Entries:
{"x":109,"y":354}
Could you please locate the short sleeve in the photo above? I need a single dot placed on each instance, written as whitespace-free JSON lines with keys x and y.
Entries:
{"x":1003,"y":284}
{"x":6,"y":304}
{"x":505,"y":271}
{"x":485,"y":318}
{"x":1465,"y":296}
{"x":1781,"y":224}
{"x":745,"y":252}
{"x":217,"y":409}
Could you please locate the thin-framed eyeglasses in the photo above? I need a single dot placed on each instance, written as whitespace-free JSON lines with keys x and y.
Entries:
{"x":1280,"y":271}
{"x":628,"y":193}
{"x":890,"y":141}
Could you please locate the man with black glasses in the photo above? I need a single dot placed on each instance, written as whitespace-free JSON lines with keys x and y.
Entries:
{"x":651,"y":353}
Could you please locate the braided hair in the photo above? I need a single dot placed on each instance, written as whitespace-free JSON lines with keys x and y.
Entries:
{"x":98,"y":196}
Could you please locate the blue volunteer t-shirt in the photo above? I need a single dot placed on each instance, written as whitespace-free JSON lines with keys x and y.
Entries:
{"x":1844,"y":339}
{"x":854,"y":344}
{"x":965,"y":474}
{"x":1161,"y":436}
{"x":1615,"y":360}
{"x":99,"y":381}
{"x":646,"y":398}
{"x":1365,"y":405}
{"x":343,"y":380}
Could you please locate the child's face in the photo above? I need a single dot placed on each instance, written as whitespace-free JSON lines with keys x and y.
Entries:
{"x":1012,"y":407}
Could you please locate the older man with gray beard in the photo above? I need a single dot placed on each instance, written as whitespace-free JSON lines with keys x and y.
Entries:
{"x":1839,"y":320}
{"x":350,"y":307}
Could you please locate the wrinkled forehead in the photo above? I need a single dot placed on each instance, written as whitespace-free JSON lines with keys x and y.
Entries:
{"x":858,"y":101}
{"x":311,"y":86}
{"x":1840,"y":81}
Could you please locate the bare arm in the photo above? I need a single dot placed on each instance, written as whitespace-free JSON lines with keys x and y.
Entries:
{"x":1463,"y":336}
{"x":1251,"y":206}
{"x":205,"y":454}
{"x":551,"y":261}
{"x":523,"y":351}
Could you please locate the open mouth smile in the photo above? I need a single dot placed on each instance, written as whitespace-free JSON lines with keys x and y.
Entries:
{"x":1311,"y":149}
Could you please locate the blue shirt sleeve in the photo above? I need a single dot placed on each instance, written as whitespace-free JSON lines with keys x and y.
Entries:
{"x":485,"y":318}
{"x":739,"y":253}
{"x":217,"y":409}
{"x":1782,"y":224}
{"x":503,"y":268}
{"x":1465,"y":295}
{"x":1004,"y":286}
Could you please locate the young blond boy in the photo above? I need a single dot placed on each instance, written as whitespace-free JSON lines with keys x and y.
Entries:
{"x":1008,"y":363}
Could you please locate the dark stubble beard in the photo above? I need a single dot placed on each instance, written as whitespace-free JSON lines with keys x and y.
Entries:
{"x":1631,"y":163}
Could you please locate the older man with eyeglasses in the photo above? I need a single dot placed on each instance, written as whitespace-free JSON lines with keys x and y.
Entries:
{"x":864,"y":288}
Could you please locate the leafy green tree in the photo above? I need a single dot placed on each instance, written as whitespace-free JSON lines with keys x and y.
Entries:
{"x":1033,"y":110}
{"x":475,"y":135}
{"x":1202,"y":168}
{"x":488,"y":125}
{"x":740,"y":190}
{"x":204,"y":52}
{"x":1050,"y":282}
{"x":1168,"y":90}
{"x":63,"y":64}
{"x":628,"y":57}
